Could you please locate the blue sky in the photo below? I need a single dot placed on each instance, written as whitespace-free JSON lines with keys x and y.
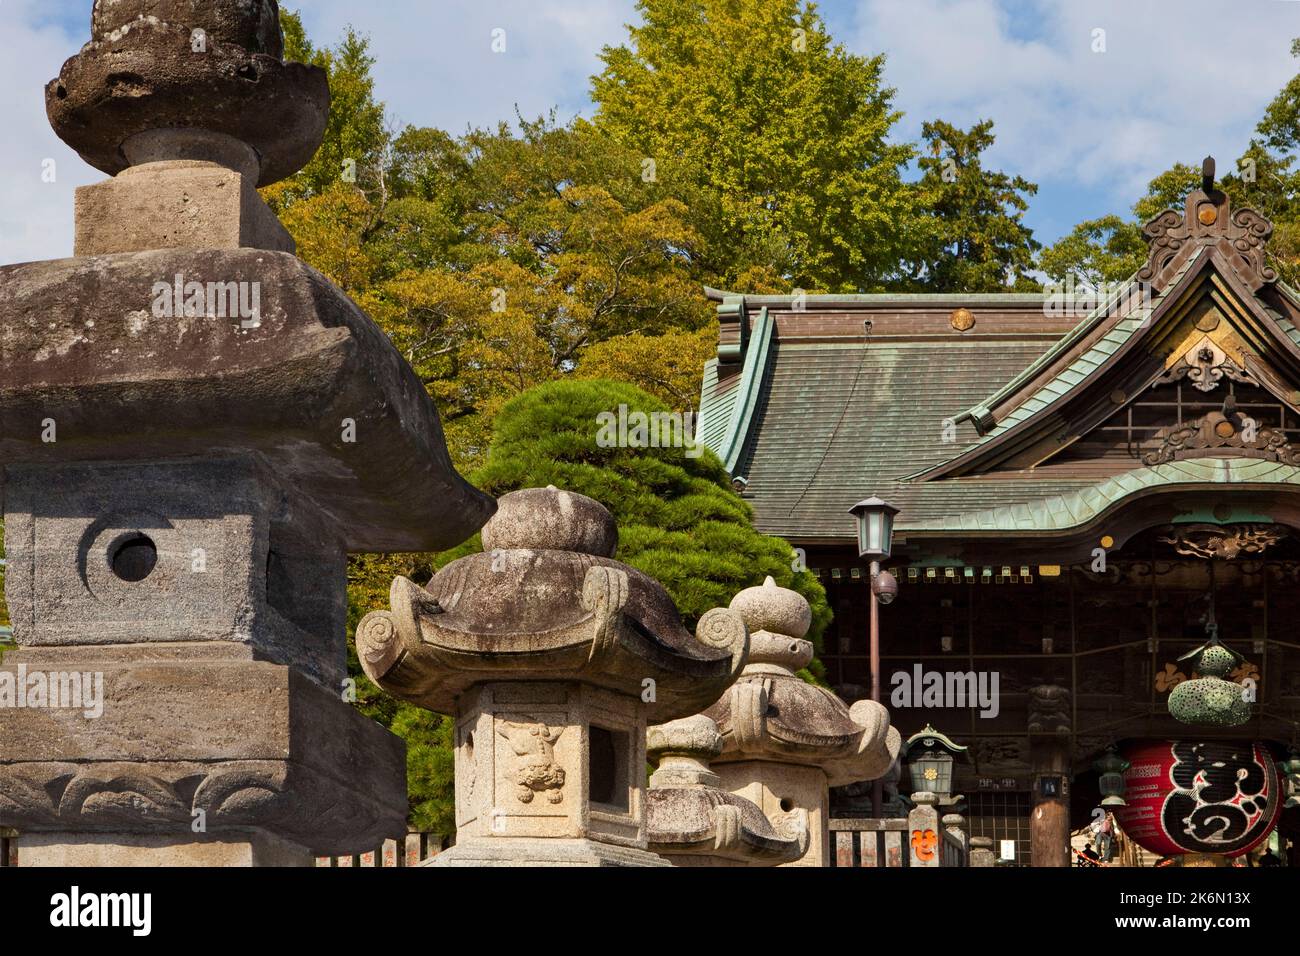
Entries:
{"x":1177,"y":79}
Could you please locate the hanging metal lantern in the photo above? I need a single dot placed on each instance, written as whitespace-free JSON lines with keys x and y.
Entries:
{"x":1290,"y":771}
{"x":1111,"y":767}
{"x":1210,"y":699}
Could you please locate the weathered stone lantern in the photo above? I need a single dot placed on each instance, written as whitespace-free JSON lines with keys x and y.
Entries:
{"x":553,"y":657}
{"x":694,"y":823}
{"x":196,"y":429}
{"x":785,"y":741}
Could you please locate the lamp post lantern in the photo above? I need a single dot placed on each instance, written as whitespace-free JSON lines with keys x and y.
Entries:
{"x":875,"y":529}
{"x":875,"y":544}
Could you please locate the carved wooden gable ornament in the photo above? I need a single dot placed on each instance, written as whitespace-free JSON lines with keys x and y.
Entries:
{"x":1205,"y":310}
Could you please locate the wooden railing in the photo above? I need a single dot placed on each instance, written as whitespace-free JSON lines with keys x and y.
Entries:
{"x":417,"y":848}
{"x":922,"y":839}
{"x":869,"y":843}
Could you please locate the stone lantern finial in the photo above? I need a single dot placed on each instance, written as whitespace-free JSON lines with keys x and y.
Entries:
{"x":189,"y":104}
{"x":159,"y":76}
{"x":786,"y":741}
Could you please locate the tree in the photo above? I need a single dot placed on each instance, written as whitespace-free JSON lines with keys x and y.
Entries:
{"x":679,"y":520}
{"x":1109,"y":249}
{"x":779,"y":135}
{"x":973,"y":237}
{"x":355,"y":136}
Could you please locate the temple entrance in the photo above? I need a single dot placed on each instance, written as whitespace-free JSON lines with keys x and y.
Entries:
{"x":1107,"y":634}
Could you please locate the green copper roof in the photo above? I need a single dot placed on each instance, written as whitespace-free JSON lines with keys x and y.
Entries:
{"x":747,"y":392}
{"x":1056,"y":513}
{"x":929,"y":731}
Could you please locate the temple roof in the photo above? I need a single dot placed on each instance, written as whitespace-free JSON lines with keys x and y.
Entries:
{"x":958,"y":409}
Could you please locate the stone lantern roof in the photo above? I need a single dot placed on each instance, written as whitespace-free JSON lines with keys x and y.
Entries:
{"x":772,"y":713}
{"x":546,"y":600}
{"x":692,"y":821}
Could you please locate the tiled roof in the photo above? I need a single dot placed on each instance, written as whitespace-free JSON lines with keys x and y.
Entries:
{"x":837,"y":422}
{"x":837,"y":418}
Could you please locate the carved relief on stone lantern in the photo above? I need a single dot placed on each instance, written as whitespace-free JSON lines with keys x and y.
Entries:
{"x":786,"y":741}
{"x":553,"y":657}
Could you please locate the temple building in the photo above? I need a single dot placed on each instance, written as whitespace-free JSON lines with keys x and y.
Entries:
{"x":1088,"y":492}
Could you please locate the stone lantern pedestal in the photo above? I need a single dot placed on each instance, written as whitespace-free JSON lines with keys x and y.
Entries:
{"x":553,"y":657}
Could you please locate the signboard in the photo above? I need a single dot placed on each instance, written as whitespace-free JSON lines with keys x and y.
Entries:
{"x":1008,"y":850}
{"x":1188,"y":796}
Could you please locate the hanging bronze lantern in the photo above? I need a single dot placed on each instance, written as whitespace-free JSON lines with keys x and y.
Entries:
{"x":1210,"y":699}
{"x":1111,"y":767}
{"x":1290,"y":771}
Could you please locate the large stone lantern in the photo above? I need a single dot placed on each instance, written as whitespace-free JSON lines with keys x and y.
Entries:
{"x":553,"y":657}
{"x":785,"y":741}
{"x":197,"y":428}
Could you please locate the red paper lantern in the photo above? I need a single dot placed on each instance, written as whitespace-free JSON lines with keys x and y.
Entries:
{"x":1187,"y":796}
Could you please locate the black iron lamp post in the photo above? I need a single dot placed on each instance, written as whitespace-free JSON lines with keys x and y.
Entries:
{"x":875,"y":544}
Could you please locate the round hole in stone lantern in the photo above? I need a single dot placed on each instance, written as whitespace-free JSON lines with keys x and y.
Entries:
{"x":133,"y":557}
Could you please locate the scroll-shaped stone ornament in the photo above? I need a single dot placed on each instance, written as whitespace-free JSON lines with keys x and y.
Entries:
{"x":693,"y":822}
{"x":546,"y":600}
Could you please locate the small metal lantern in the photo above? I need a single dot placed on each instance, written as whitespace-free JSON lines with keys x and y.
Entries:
{"x":1111,"y":766}
{"x":929,"y":755}
{"x":875,"y":528}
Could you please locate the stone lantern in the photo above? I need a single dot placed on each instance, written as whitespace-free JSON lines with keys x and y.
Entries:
{"x":197,"y":428}
{"x":694,"y":823}
{"x":553,"y":657}
{"x":785,"y":741}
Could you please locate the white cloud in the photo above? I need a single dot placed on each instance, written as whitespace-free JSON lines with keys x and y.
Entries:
{"x":35,"y":216}
{"x":436,"y":67}
{"x":1176,"y":80}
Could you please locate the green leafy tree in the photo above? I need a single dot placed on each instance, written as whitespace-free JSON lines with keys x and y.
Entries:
{"x":778,"y":134}
{"x":355,"y":138}
{"x":1108,"y":249}
{"x":973,"y":237}
{"x":679,"y":519}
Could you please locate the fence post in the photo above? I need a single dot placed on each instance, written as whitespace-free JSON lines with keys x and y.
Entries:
{"x":924,"y":835}
{"x":981,"y":852}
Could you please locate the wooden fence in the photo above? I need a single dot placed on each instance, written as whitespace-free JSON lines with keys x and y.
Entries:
{"x":920,"y":840}
{"x":870,"y":843}
{"x":414,"y":850}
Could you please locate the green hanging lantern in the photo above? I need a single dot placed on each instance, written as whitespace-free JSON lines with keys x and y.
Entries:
{"x":1111,"y":767}
{"x":1210,"y":699}
{"x":1290,"y":771}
